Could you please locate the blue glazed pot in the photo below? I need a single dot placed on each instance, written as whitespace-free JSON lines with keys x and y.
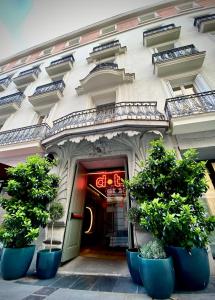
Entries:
{"x":48,"y":262}
{"x":191,"y":268}
{"x":133,"y":265}
{"x":15,"y":262}
{"x":158,"y":276}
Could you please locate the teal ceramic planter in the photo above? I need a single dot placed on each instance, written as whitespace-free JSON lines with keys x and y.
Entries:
{"x":133,"y":265}
{"x":48,"y":262}
{"x":15,"y":262}
{"x":191,"y":268}
{"x":158,"y":276}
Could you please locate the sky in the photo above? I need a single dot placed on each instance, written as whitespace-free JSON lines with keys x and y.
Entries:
{"x":26,"y":23}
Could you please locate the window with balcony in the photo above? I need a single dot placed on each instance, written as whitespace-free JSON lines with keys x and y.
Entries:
{"x":164,"y":47}
{"x":161,"y":34}
{"x":205,"y":23}
{"x":106,"y":50}
{"x":184,"y":89}
{"x":178,"y":60}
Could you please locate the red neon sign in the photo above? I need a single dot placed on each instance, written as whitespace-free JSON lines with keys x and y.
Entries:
{"x":107,"y":180}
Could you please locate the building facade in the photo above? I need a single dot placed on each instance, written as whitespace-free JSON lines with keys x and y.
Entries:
{"x":95,"y":98}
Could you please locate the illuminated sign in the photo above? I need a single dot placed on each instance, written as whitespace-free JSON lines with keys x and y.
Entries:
{"x":110,"y":179}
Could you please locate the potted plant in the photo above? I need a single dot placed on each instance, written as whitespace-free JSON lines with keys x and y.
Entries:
{"x":167,"y":191}
{"x":132,"y":252}
{"x":30,"y":189}
{"x":156,"y":270}
{"x":48,"y":260}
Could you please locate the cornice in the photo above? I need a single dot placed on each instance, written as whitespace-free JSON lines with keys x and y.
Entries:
{"x":10,"y":62}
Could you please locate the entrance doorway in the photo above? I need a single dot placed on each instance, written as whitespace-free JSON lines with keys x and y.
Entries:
{"x":105,"y":229}
{"x":97,"y":231}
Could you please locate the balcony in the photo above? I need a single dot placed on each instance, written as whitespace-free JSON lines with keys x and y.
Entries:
{"x":192,"y":113}
{"x":103,"y":76}
{"x":4,"y":82}
{"x":109,"y":116}
{"x":26,"y":77}
{"x":161,"y":35}
{"x":106,"y":50}
{"x":22,"y":141}
{"x":177,"y":61}
{"x":59,"y":67}
{"x":9,"y":105}
{"x":205,"y":23}
{"x":45,"y":96}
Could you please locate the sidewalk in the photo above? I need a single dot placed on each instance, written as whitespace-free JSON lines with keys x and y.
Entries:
{"x":87,"y":287}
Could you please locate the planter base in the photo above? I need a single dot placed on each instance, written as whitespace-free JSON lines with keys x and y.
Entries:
{"x":158,"y":276}
{"x":191,"y":269}
{"x":133,"y":265}
{"x":48,"y":262}
{"x":15,"y":262}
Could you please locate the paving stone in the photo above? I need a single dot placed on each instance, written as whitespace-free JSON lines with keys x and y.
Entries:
{"x":65,"y":281}
{"x":14,"y":291}
{"x":45,"y":291}
{"x":34,"y":297}
{"x":104,"y":283}
{"x":84,"y":282}
{"x":125,"y":285}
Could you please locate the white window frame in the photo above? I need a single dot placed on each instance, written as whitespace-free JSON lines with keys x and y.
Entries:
{"x":78,"y":39}
{"x":187,"y":6}
{"x":109,"y":32}
{"x":148,"y":17}
{"x":49,"y":48}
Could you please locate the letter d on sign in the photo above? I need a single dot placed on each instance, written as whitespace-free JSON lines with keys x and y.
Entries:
{"x":101,"y":181}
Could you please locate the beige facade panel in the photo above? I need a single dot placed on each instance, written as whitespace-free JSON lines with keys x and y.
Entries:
{"x":103,"y":79}
{"x":43,"y":102}
{"x":179,"y":65}
{"x":161,"y":37}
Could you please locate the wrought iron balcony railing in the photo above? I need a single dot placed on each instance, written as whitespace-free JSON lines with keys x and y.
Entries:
{"x":201,"y":19}
{"x":17,"y":97}
{"x":35,"y":70}
{"x":53,"y":86}
{"x":6,"y":80}
{"x":190,"y":105}
{"x":158,"y":29}
{"x":106,"y":46}
{"x":174,"y":53}
{"x":24,"y":134}
{"x":62,"y":60}
{"x":104,"y":66}
{"x":108,"y":114}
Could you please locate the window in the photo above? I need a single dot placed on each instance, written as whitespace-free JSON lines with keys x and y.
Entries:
{"x":108,"y":29}
{"x":147,"y":17}
{"x":186,"y":6}
{"x":164,"y":47}
{"x":2,"y":68}
{"x":73,"y":42}
{"x":183,"y":90}
{"x":46,"y":51}
{"x":22,"y":60}
{"x":41,"y":119}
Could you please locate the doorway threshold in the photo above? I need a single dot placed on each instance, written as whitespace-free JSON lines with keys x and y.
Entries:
{"x":83,"y":265}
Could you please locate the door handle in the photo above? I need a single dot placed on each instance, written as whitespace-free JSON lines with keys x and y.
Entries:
{"x":76,"y":216}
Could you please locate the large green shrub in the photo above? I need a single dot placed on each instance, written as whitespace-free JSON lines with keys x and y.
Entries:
{"x":167,"y":191}
{"x":30,"y":188}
